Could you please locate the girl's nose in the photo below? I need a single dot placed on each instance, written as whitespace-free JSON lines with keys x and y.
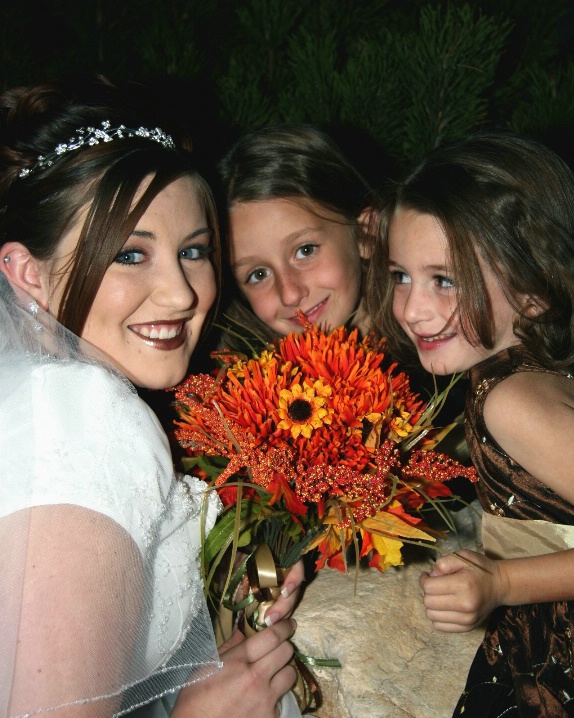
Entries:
{"x":417,"y":306}
{"x":292,"y":288}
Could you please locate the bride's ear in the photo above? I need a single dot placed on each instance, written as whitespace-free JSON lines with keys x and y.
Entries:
{"x":24,"y":271}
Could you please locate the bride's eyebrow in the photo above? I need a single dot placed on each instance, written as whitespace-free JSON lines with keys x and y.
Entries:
{"x":151,"y":235}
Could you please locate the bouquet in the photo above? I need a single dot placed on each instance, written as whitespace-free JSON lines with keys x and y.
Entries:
{"x":317,"y":443}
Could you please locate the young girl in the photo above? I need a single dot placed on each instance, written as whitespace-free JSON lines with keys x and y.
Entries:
{"x":108,"y":270}
{"x":298,"y":230}
{"x":479,"y":243}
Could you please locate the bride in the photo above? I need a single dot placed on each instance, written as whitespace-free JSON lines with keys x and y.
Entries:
{"x":109,"y":256}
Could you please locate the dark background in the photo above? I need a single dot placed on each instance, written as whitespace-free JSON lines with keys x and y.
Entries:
{"x":388,"y":78}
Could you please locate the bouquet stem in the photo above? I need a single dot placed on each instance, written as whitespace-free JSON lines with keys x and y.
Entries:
{"x":258,"y":581}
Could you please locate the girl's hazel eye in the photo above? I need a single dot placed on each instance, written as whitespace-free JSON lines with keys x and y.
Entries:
{"x":306,"y":250}
{"x":257,"y":275}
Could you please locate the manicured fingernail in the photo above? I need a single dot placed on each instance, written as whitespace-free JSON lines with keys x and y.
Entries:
{"x":269,"y":620}
{"x":285,"y":592}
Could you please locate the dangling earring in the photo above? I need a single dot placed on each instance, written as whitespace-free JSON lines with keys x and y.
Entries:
{"x":33,"y":309}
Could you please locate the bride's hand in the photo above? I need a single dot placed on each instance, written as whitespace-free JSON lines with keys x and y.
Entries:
{"x":255,"y":675}
{"x":286,"y":602}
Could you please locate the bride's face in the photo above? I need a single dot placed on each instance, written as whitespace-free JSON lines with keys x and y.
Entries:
{"x":154,"y":297}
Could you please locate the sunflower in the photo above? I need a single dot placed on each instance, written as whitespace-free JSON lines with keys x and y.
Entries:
{"x":302,"y":408}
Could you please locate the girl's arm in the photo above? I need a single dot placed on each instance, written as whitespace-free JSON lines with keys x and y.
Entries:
{"x":460,"y":593}
{"x":531,"y":417}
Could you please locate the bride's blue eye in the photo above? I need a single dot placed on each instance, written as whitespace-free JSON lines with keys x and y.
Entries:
{"x":130,"y":256}
{"x":195,"y":252}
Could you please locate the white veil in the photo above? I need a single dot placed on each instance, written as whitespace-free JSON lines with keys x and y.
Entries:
{"x":101,"y":599}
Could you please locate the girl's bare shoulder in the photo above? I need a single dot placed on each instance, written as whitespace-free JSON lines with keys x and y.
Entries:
{"x":531,"y":417}
{"x":530,"y":390}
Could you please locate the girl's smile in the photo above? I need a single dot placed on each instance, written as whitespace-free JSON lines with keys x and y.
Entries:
{"x":313,"y":314}
{"x":433,"y":343}
{"x":425,"y":299}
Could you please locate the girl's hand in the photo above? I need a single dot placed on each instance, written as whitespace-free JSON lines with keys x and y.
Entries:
{"x":460,"y":594}
{"x":285,"y":604}
{"x":255,"y":675}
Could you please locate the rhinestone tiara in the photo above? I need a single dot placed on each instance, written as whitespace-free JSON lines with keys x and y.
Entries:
{"x":93,"y":136}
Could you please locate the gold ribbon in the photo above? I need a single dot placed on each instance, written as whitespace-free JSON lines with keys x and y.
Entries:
{"x":265,"y":579}
{"x":261,"y":579}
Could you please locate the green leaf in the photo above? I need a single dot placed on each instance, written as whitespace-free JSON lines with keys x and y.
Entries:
{"x":223,"y":531}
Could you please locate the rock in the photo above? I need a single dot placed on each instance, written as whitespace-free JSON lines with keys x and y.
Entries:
{"x":395,"y":665}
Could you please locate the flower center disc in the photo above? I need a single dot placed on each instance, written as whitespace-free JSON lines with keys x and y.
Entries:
{"x":300,"y":410}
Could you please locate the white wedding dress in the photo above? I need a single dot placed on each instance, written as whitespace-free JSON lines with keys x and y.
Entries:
{"x":98,"y":538}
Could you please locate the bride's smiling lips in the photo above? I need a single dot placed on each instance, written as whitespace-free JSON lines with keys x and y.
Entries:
{"x":166,"y":335}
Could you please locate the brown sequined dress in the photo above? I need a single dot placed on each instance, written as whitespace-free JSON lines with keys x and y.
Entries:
{"x":524,"y":666}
